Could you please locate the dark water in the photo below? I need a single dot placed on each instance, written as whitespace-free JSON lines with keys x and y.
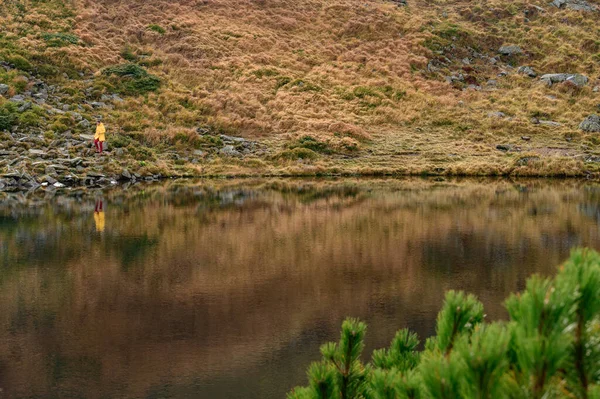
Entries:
{"x":226,"y":289}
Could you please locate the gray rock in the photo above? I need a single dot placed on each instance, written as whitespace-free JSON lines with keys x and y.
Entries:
{"x":577,"y":79}
{"x":126,"y":175}
{"x":455,"y":78}
{"x":510,"y":50}
{"x":76,"y":115}
{"x":496,"y":114}
{"x":199,"y":153}
{"x":492,"y":82}
{"x":574,"y":78}
{"x":504,"y":147}
{"x":3,"y":89}
{"x":232,"y":138}
{"x":229,"y":150}
{"x":576,"y":5}
{"x":17,"y":99}
{"x":590,"y":124}
{"x":596,"y":89}
{"x":84,"y":124}
{"x":525,"y":70}
{"x":49,"y":179}
{"x":26,"y":105}
{"x":66,"y":107}
{"x":39,"y":153}
{"x":98,"y":104}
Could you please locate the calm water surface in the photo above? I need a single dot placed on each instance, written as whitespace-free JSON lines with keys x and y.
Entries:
{"x":226,"y":289}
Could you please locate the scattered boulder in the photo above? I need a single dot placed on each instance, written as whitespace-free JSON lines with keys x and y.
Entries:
{"x":504,"y":147}
{"x":496,"y":114}
{"x":3,"y":89}
{"x":38,"y":153}
{"x":590,"y":124}
{"x":84,"y":123}
{"x":26,"y":105}
{"x":510,"y":50}
{"x":576,"y":5}
{"x":573,"y":78}
{"x":230,"y":151}
{"x":526,"y":70}
{"x":17,"y":99}
{"x":226,"y":138}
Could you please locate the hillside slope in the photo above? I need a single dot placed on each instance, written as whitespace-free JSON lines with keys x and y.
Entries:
{"x":315,"y":86}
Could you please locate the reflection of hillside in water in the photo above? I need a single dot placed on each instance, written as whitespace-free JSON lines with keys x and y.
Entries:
{"x":233,"y":286}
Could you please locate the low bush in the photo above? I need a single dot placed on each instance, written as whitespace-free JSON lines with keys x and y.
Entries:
{"x":60,"y":39}
{"x":549,"y":348}
{"x":313,"y":144}
{"x":297,"y":153}
{"x":8,"y":115}
{"x":132,"y":79}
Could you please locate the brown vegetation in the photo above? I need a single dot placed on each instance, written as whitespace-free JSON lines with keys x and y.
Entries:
{"x":367,"y":77}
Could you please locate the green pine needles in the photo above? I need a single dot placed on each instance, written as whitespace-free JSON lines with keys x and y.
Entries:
{"x":549,"y":348}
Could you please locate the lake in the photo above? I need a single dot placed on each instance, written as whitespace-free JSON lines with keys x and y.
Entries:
{"x":227,"y":288}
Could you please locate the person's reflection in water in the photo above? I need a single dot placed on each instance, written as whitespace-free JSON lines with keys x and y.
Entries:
{"x":99,"y":216}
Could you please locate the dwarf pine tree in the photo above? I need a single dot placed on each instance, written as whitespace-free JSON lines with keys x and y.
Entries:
{"x":549,"y":348}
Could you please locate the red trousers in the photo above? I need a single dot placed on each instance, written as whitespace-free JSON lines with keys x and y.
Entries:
{"x":99,"y":145}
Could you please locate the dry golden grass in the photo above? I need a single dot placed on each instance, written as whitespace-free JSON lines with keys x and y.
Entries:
{"x":355,"y":70}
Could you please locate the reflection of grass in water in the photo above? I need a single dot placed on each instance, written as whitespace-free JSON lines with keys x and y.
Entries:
{"x":131,"y":249}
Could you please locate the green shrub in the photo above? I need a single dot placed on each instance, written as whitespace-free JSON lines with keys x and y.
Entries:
{"x":60,"y":39}
{"x":8,"y":115}
{"x":262,"y":72}
{"x":282,"y":81}
{"x":549,"y":348}
{"x":20,"y":63}
{"x":140,"y":152}
{"x":312,"y":144}
{"x":59,"y":127}
{"x":157,"y":28}
{"x":133,"y":79}
{"x":30,"y":119}
{"x":130,"y":70}
{"x":119,"y":140}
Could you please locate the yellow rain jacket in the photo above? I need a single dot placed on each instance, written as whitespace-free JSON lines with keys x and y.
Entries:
{"x":99,"y":219}
{"x":100,"y":131}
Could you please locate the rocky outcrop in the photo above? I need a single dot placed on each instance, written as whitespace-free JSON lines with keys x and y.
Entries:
{"x":510,"y":50}
{"x":525,"y":70}
{"x":575,"y":79}
{"x":576,"y":5}
{"x":590,"y":124}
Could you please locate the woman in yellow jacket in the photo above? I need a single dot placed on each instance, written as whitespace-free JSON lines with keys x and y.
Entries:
{"x":100,"y":136}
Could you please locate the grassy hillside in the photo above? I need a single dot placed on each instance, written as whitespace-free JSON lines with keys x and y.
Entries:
{"x":321,"y":86}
